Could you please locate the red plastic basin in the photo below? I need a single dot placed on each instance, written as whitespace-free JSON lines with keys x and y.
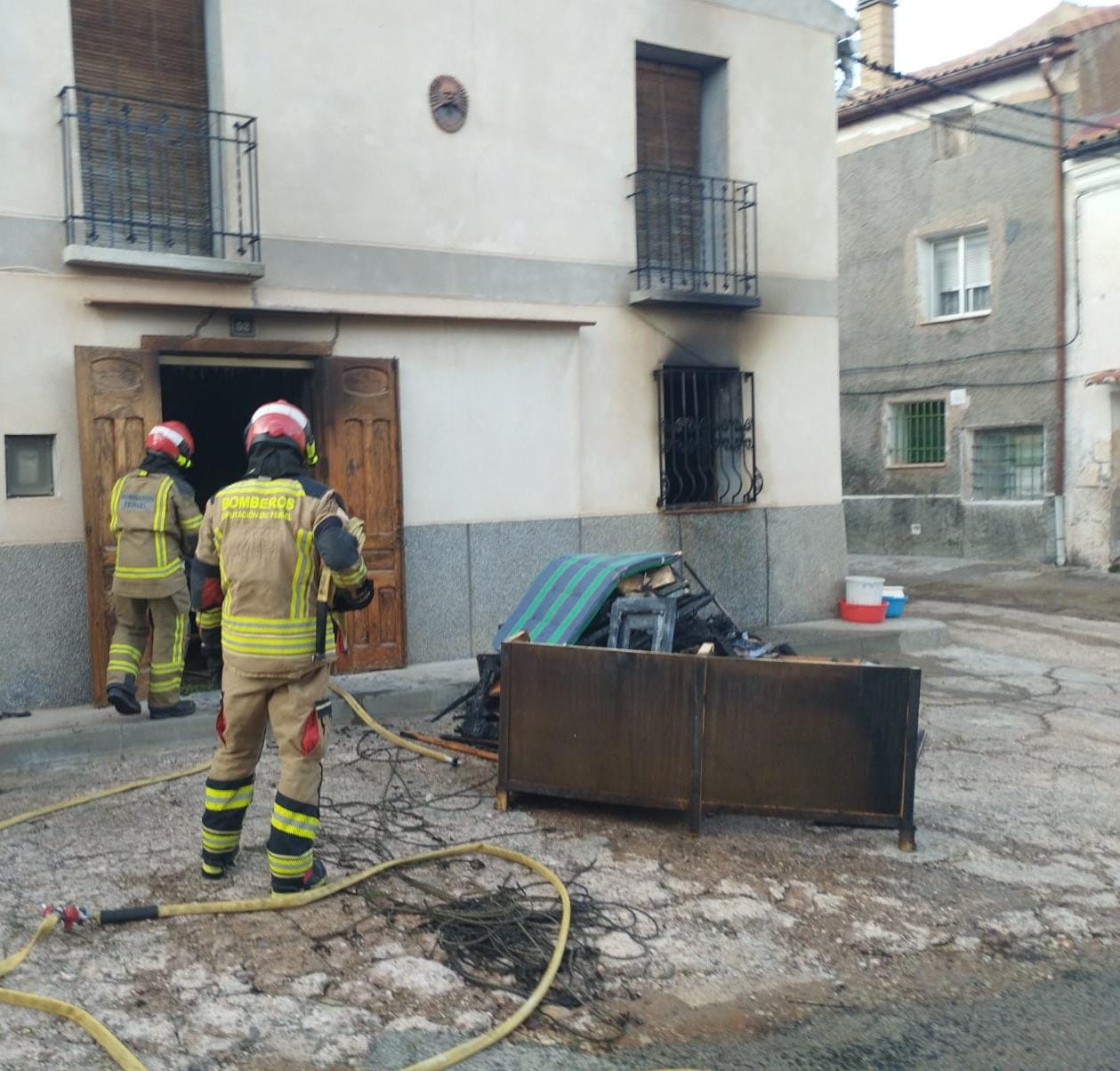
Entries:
{"x":864,"y":615}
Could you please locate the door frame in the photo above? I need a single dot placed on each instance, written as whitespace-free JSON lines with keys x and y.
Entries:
{"x":153,"y":347}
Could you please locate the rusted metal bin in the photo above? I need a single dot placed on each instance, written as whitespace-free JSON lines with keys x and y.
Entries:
{"x":833,"y":742}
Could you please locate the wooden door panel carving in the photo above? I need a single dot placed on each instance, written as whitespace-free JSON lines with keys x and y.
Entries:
{"x":361,"y":453}
{"x":118,"y":400}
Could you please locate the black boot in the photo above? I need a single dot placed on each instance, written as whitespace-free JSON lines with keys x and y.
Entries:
{"x":179,"y":710}
{"x":123,"y":698}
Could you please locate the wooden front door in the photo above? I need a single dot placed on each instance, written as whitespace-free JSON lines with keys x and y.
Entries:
{"x":360,"y":445}
{"x":118,"y":401}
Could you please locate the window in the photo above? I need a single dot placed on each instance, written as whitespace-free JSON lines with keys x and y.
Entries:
{"x":695,"y":228}
{"x":29,"y":465}
{"x":145,"y":175}
{"x":916,"y":433}
{"x":1008,"y":463}
{"x":707,"y":439}
{"x":961,"y":276}
{"x":150,"y":171}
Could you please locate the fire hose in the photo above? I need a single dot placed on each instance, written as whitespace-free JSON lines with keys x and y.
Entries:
{"x":71,"y":915}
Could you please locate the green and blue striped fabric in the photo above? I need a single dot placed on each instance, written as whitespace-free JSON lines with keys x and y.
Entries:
{"x":569,"y":592}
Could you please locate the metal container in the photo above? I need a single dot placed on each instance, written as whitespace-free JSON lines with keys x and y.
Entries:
{"x":828,"y":741}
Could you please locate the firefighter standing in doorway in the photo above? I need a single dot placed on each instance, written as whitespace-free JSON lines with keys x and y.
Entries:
{"x":153,"y":514}
{"x":263,"y":544}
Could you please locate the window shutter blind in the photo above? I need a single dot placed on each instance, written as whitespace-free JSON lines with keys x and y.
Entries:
{"x":145,"y":167}
{"x":946,"y":266}
{"x":977,"y":260}
{"x":154,"y":49}
{"x":668,"y":117}
{"x":668,"y":150}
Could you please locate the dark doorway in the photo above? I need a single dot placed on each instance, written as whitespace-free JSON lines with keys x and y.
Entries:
{"x":215,"y":397}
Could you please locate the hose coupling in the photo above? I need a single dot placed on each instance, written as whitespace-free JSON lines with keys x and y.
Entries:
{"x":70,"y":915}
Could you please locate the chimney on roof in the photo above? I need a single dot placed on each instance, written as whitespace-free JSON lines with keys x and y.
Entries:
{"x":876,"y":36}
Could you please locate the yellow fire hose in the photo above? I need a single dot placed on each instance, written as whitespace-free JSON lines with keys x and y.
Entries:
{"x":400,"y":741}
{"x":120,"y":1052}
{"x":70,"y":915}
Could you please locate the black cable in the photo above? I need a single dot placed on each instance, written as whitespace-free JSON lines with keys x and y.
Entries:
{"x":972,"y":128}
{"x":493,"y":938}
{"x":952,"y":90}
{"x":911,"y":388}
{"x":876,"y":368}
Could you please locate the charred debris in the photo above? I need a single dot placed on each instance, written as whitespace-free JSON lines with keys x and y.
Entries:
{"x":638,"y":602}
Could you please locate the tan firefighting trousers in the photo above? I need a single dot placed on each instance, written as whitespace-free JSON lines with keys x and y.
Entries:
{"x":167,"y":618}
{"x":299,"y":711}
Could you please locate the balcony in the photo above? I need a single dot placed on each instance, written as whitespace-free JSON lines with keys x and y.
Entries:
{"x":159,"y":187}
{"x":697,"y":240}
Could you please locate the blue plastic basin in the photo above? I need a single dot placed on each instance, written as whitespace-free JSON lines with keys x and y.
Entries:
{"x":895,"y":605}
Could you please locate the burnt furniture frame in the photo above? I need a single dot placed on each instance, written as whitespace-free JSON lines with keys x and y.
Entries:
{"x":823,"y":741}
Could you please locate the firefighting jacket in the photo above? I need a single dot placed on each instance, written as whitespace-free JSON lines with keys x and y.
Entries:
{"x":262,"y":544}
{"x":155,"y":520}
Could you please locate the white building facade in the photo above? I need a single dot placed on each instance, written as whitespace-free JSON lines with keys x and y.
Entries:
{"x":1093,"y":315}
{"x":550,"y":278}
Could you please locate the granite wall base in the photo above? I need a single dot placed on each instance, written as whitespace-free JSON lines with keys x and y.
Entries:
{"x":44,"y":639}
{"x":766,"y":567}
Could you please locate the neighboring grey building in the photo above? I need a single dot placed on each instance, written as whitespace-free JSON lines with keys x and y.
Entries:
{"x":549,"y":278}
{"x":953,"y":328}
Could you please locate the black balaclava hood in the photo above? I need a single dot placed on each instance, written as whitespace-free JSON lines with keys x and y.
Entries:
{"x":278,"y":457}
{"x":155,"y":462}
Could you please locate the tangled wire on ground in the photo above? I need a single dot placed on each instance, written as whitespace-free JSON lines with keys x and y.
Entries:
{"x":492,"y":938}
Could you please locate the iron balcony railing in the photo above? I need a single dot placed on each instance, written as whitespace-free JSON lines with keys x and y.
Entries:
{"x":697,"y":238}
{"x":707,"y":437}
{"x":165,"y":178}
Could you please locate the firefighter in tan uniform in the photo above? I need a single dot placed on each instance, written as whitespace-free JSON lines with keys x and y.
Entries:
{"x":152,"y":513}
{"x":263,"y":544}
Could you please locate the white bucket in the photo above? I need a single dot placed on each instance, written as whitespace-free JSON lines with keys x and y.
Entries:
{"x":865,"y":590}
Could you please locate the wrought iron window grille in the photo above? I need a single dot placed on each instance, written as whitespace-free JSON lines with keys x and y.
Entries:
{"x":1008,"y":463}
{"x":917,"y":433}
{"x":165,"y":178}
{"x":707,"y":437}
{"x":697,"y":237}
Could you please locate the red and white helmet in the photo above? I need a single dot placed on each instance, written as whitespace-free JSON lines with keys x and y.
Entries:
{"x":173,"y":440}
{"x":282,"y":420}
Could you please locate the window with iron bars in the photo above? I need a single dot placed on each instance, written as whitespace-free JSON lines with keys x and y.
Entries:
{"x":916,"y":433}
{"x":706,"y":425}
{"x":1008,"y":463}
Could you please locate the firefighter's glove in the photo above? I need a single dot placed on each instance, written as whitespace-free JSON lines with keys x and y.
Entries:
{"x":357,"y":598}
{"x":357,"y":528}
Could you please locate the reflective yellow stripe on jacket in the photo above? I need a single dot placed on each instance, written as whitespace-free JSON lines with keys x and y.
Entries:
{"x":149,"y":572}
{"x":160,"y":533}
{"x":269,"y":637}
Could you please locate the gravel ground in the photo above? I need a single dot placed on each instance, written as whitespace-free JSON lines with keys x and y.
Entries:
{"x":715,"y":946}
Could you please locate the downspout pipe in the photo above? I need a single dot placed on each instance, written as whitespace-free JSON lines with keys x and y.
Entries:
{"x":1059,"y":317}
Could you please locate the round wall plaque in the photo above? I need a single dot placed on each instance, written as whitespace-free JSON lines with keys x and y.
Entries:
{"x":449,"y":102}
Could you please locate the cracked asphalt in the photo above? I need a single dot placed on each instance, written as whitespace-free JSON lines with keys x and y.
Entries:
{"x":763,"y":944}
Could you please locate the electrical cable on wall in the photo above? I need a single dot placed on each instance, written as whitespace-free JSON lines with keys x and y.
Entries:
{"x":951,"y":90}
